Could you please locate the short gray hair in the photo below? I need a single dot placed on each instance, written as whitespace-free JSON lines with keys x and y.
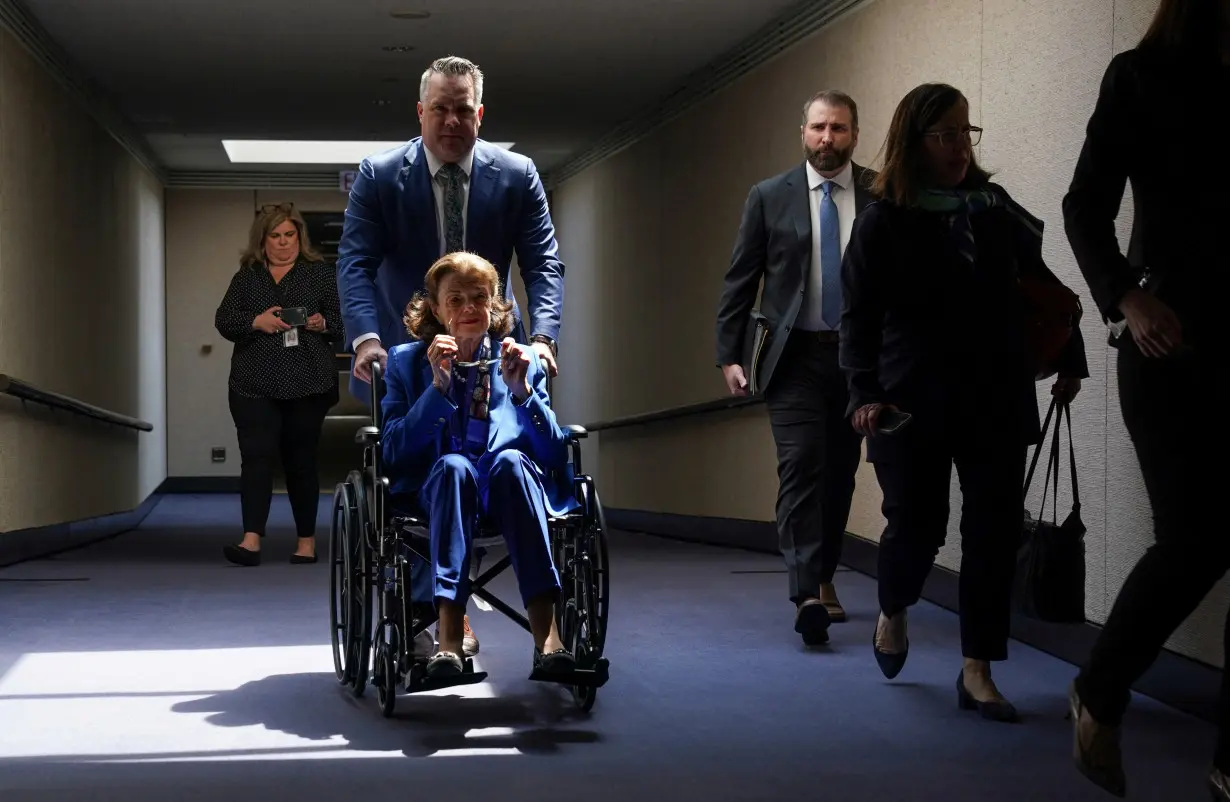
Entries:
{"x":453,"y":65}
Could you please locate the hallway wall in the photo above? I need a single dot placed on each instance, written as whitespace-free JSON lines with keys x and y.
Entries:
{"x":648,"y":234}
{"x":81,"y":305}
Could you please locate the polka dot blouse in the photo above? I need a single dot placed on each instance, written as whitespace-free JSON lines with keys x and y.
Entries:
{"x":265,"y":365}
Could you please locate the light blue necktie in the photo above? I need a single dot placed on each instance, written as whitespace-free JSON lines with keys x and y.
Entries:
{"x":830,"y":258}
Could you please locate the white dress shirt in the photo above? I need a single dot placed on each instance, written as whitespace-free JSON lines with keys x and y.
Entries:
{"x":437,"y":189}
{"x":811,"y":313}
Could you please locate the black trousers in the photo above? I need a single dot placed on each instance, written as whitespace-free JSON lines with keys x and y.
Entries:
{"x":1181,"y":460}
{"x":818,"y":453}
{"x":269,"y":428}
{"x":915,"y":478}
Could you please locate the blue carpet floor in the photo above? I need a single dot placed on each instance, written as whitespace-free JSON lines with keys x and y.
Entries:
{"x":146,"y":668}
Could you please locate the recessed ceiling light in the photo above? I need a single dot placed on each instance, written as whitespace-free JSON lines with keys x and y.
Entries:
{"x":409,"y":14}
{"x":397,"y":48}
{"x":268,"y":151}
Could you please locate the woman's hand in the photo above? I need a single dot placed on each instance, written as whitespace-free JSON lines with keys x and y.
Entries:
{"x":866,"y":418}
{"x":515,"y":365}
{"x":1154,"y":325}
{"x":270,"y":323}
{"x":316,"y":323}
{"x":440,"y":354}
{"x":1065,"y":389}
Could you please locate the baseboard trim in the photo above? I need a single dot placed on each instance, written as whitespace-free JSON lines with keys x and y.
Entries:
{"x":1181,"y":682}
{"x":199,"y":484}
{"x":41,"y":542}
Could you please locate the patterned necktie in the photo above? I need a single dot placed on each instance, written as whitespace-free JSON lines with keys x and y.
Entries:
{"x":830,"y":258}
{"x":450,"y":177}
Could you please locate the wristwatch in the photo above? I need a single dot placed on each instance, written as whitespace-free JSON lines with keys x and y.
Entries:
{"x":542,"y":338}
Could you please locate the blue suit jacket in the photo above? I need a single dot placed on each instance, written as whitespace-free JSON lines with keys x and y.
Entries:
{"x":417,"y":417}
{"x":390,"y":239}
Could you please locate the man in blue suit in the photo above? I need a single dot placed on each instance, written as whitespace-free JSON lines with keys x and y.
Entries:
{"x":442,"y":192}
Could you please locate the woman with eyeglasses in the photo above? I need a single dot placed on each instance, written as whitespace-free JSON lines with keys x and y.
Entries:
{"x":281,"y":311}
{"x":933,"y":326}
{"x":469,"y":433}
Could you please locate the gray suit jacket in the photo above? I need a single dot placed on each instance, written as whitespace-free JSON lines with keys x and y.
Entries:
{"x":774,"y":243}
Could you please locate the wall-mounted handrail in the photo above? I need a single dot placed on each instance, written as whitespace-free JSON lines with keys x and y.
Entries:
{"x":28,"y":392}
{"x":674,"y":413}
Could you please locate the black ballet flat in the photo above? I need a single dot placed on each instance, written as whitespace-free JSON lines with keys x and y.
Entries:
{"x":559,"y":661}
{"x":241,"y":556}
{"x":995,"y":710}
{"x":890,"y":663}
{"x":302,"y":559}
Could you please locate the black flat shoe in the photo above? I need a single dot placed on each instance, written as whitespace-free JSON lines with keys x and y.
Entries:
{"x":241,"y":556}
{"x":994,"y":710}
{"x":812,"y":620}
{"x":559,"y":661}
{"x":302,"y":559}
{"x":444,"y":664}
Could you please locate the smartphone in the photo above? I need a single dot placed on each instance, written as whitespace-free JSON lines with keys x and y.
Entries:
{"x":293,"y":315}
{"x":891,"y":421}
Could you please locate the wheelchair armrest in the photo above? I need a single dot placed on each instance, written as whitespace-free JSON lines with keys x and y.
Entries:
{"x":367,"y":435}
{"x":576,"y":432}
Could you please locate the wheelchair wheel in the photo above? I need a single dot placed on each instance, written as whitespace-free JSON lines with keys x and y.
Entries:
{"x":384,"y":676}
{"x":585,"y":614}
{"x":350,"y":588}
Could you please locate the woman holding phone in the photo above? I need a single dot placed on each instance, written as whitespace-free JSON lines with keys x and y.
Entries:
{"x":282,"y":312}
{"x":934,"y":327}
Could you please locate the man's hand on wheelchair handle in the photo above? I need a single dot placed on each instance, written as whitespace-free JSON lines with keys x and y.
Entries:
{"x":369,"y":351}
{"x":544,"y":353}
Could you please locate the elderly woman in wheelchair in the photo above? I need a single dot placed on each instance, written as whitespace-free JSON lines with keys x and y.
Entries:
{"x":469,"y":436}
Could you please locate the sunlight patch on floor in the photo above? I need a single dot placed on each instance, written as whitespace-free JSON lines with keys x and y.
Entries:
{"x":196,"y":705}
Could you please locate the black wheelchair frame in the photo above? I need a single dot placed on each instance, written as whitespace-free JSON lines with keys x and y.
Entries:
{"x":370,"y":547}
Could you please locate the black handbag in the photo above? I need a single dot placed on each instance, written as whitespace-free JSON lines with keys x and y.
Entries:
{"x":1050,"y":571}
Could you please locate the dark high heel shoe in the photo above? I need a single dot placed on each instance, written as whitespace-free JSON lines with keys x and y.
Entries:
{"x":890,"y":663}
{"x":1102,"y":761}
{"x":241,"y":556}
{"x":302,"y":559}
{"x":994,"y":710}
{"x":1219,"y":785}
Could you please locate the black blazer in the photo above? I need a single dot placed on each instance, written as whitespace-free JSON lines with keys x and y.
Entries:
{"x":942,"y":340}
{"x":774,"y":242}
{"x":1179,"y":193}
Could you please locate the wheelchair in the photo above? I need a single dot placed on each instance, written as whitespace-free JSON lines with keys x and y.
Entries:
{"x":373,"y":619}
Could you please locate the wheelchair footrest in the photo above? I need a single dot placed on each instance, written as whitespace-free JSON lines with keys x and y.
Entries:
{"x":418,"y":683}
{"x":594,"y":677}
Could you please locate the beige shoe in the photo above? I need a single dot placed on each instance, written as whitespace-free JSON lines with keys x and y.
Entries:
{"x":469,"y":641}
{"x":828,"y":597}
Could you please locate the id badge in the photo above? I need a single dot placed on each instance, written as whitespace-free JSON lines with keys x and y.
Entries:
{"x":290,"y":338}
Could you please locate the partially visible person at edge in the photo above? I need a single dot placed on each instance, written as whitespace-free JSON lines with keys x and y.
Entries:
{"x":1159,"y":300}
{"x":283,"y":377}
{"x":934,"y":326}
{"x":442,"y":192}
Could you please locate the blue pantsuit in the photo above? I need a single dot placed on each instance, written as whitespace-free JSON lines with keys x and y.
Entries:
{"x":509,"y":470}
{"x":510,"y":495}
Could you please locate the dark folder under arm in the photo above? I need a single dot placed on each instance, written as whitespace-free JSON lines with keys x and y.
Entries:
{"x":755,"y":344}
